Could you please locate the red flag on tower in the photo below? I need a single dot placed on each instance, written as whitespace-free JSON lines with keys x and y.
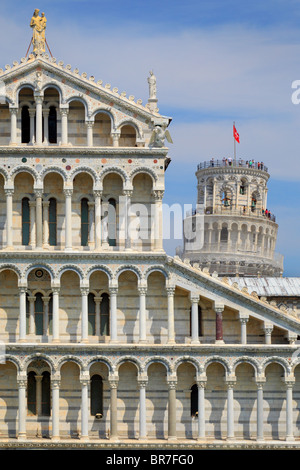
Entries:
{"x":236,"y":134}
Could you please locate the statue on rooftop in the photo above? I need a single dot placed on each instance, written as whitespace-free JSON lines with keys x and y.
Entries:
{"x":152,"y":85}
{"x":38,"y":25}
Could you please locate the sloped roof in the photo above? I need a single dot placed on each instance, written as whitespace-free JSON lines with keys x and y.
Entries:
{"x":270,"y":286}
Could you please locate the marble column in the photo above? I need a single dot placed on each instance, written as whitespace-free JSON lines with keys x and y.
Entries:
{"x":172,"y":409}
{"x":98,"y":228}
{"x":194,"y":318}
{"x":39,"y":119}
{"x":230,"y":382}
{"x":289,"y":382}
{"x":91,"y":210}
{"x":55,"y":314}
{"x":68,"y":218}
{"x":113,"y":382}
{"x":13,"y":125}
{"x":38,"y":382}
{"x":90,"y":125}
{"x":201,"y":408}
{"x":142,"y":314}
{"x":22,"y":406}
{"x":113,"y":314}
{"x":39,"y":218}
{"x":171,"y":320}
{"x":142,"y":383}
{"x":268,"y":328}
{"x":9,"y":217}
{"x":243,"y":319}
{"x":46,"y":224}
{"x":32,"y":125}
{"x":22,"y":319}
{"x":84,"y":314}
{"x":55,"y":386}
{"x":64,"y":126}
{"x":32,"y":224}
{"x":128,"y":195}
{"x":219,"y":324}
{"x":157,"y":235}
{"x":98,"y":301}
{"x":31,"y":328}
{"x":46,"y":315}
{"x":84,"y":407}
{"x":260,"y":409}
{"x":115,"y":138}
{"x":46,"y":125}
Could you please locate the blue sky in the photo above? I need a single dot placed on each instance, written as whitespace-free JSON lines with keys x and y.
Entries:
{"x":216,"y":61}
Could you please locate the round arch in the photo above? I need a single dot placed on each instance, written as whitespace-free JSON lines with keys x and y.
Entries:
{"x":39,"y":357}
{"x":24,"y":169}
{"x":103,"y":269}
{"x":109,"y":113}
{"x":181,"y":360}
{"x":13,"y":268}
{"x":82,"y":101}
{"x":55,"y":87}
{"x":130,"y":359}
{"x":103,"y":360}
{"x":66,"y":359}
{"x":70,"y":267}
{"x":87,"y":170}
{"x":133,"y":269}
{"x":54,"y":169}
{"x":145,"y":170}
{"x":130,"y":122}
{"x":46,"y":267}
{"x":116,"y":170}
{"x":159,"y":360}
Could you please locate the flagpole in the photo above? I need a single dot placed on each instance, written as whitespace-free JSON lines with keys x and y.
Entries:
{"x":234,"y":145}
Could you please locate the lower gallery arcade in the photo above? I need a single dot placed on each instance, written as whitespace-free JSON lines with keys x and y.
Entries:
{"x":168,"y":397}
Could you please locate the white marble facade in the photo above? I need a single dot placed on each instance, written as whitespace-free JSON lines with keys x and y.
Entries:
{"x":112,"y":341}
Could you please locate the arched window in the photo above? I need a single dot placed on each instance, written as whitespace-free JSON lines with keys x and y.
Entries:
{"x":52,"y":222}
{"x":112,"y":223}
{"x":25,"y":221}
{"x":96,"y":396}
{"x":46,"y":405}
{"x":32,"y":405}
{"x":194,"y":400}
{"x":31,"y":393}
{"x":25,"y":125}
{"x":104,"y":315}
{"x":84,"y":222}
{"x":91,"y":314}
{"x":224,"y":234}
{"x":52,"y":123}
{"x":39,"y":313}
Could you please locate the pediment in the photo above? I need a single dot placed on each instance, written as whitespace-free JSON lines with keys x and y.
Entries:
{"x":42,"y":72}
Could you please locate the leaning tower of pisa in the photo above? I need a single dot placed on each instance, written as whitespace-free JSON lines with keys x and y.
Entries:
{"x":236,"y":231}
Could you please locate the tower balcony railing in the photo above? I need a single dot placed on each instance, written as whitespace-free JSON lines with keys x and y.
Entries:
{"x":233,"y":211}
{"x":228,"y":162}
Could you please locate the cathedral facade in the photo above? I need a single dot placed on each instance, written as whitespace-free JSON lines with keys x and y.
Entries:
{"x":106,"y":338}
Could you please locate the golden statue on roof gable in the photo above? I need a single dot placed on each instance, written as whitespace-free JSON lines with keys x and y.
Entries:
{"x":38,"y":25}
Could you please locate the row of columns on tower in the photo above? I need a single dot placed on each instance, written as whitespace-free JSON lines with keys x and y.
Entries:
{"x":254,"y":241}
{"x":142,"y":384}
